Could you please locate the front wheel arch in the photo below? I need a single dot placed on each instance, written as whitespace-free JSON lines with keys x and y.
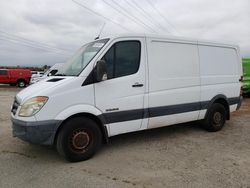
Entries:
{"x":79,"y":139}
{"x":98,"y":121}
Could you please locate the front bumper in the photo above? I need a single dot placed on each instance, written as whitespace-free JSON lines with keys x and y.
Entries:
{"x":36,"y":132}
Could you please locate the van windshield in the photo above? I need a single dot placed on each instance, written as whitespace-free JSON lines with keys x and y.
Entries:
{"x":75,"y":65}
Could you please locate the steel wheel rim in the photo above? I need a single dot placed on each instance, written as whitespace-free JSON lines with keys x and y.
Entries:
{"x":79,"y":141}
{"x":217,"y":118}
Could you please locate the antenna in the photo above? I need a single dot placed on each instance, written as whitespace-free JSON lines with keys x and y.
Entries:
{"x":100,"y":31}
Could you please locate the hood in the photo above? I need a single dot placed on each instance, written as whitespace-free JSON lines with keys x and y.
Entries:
{"x":41,"y":88}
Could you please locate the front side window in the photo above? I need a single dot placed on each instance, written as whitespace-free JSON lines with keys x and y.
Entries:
{"x":3,"y":72}
{"x":81,"y":59}
{"x":109,"y":59}
{"x":123,"y":59}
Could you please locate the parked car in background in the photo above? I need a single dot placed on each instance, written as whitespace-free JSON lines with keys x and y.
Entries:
{"x":36,"y":74}
{"x":246,"y":76}
{"x":50,"y":72}
{"x":128,"y":83}
{"x":19,"y":77}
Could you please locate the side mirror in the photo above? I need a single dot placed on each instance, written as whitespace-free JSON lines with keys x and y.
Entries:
{"x":101,"y":71}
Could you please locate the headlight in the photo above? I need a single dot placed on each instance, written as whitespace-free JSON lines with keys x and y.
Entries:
{"x":32,"y":106}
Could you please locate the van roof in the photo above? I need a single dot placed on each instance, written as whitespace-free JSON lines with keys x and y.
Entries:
{"x":175,"y":39}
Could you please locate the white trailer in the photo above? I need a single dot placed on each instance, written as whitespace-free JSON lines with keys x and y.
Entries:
{"x":128,"y":83}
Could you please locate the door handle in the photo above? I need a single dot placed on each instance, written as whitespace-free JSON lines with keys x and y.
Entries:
{"x":137,"y":85}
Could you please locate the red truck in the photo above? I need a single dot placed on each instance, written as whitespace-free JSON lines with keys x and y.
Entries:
{"x":19,"y":77}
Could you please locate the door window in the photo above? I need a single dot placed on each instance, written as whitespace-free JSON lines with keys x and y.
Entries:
{"x":109,"y":59}
{"x":3,"y":72}
{"x":123,"y":59}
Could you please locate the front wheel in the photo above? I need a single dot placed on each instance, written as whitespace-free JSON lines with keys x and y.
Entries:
{"x":79,"y":139}
{"x":216,"y":118}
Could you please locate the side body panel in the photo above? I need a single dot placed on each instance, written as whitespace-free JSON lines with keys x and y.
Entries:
{"x":174,"y":82}
{"x":220,"y":73}
{"x":16,"y":74}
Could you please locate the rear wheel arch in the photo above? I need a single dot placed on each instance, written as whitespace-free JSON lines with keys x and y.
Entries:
{"x":225,"y":103}
{"x":220,"y":99}
{"x":99,"y":121}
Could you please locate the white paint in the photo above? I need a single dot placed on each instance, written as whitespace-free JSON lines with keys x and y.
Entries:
{"x":171,"y":119}
{"x":173,"y":77}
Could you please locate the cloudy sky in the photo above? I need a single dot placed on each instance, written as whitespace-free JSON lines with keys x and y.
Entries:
{"x":39,"y":32}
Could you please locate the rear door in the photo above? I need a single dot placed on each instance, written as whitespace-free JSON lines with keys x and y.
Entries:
{"x":121,"y":97}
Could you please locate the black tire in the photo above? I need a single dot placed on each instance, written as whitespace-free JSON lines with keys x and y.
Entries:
{"x":79,"y":139}
{"x":216,"y":118}
{"x":21,"y":83}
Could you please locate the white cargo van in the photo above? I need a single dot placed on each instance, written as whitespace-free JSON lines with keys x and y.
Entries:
{"x":129,"y":83}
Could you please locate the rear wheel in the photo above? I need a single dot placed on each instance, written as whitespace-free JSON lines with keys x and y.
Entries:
{"x":216,"y":118}
{"x":79,"y":139}
{"x":21,"y":83}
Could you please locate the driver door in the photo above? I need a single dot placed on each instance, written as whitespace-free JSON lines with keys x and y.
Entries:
{"x":121,"y":96}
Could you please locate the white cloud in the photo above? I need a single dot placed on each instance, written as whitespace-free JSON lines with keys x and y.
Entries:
{"x":64,"y":24}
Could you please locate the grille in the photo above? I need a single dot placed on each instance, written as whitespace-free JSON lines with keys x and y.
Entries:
{"x":14,"y":107}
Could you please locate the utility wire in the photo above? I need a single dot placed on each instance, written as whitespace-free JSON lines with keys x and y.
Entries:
{"x":156,"y":9}
{"x":43,"y":45}
{"x":145,"y":13}
{"x":128,"y":15}
{"x":27,"y":45}
{"x":139,"y":11}
{"x":16,"y":41}
{"x":100,"y":15}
